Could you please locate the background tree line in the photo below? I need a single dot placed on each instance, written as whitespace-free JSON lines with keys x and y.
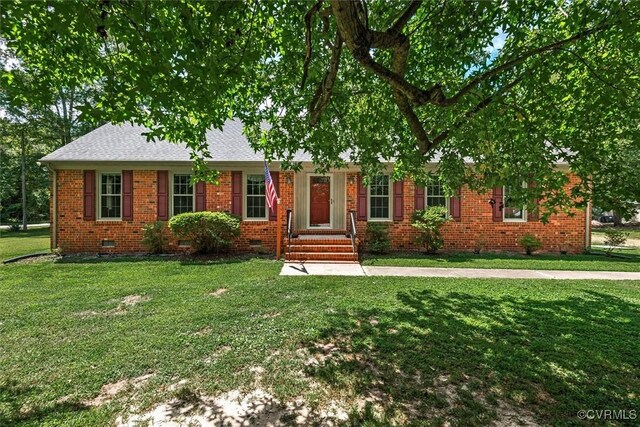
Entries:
{"x":29,"y":129}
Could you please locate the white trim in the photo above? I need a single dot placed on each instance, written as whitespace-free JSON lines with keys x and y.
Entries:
{"x":171,"y":194}
{"x":331,"y":197}
{"x":245,"y":177}
{"x":99,"y":195}
{"x":504,"y":205}
{"x":390,"y":196}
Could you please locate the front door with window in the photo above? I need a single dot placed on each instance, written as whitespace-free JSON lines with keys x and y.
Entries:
{"x":320,"y":201}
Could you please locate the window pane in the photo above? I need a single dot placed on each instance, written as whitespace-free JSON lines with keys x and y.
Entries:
{"x":256,"y":207}
{"x":379,"y":197}
{"x":182,"y":204}
{"x":110,"y":183}
{"x":379,"y":185}
{"x":435,"y":195}
{"x":256,"y":202}
{"x":182,"y":184}
{"x":379,"y":208}
{"x":182,"y":194}
{"x":255,"y":185}
{"x":110,"y":206}
{"x":110,"y":187}
{"x":510,"y":210}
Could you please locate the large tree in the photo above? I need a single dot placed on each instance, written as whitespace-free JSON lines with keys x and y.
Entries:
{"x":493,"y":92}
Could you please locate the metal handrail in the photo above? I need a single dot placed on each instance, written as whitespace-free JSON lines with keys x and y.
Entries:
{"x":289,"y":228}
{"x":353,"y":231}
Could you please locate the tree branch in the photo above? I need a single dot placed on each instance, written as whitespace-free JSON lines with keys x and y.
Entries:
{"x":473,"y":111}
{"x":520,"y":59}
{"x":325,"y":89}
{"x":411,"y":10}
{"x":307,"y":25}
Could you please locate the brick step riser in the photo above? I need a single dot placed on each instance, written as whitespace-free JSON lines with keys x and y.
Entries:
{"x":319,"y":248}
{"x":320,"y":256}
{"x":320,"y":232}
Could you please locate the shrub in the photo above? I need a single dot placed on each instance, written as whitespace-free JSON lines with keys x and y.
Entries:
{"x":14,"y":226}
{"x":614,"y":239}
{"x":530,"y":243}
{"x":154,"y":237}
{"x":377,"y":238}
{"x":208,"y":232}
{"x":428,"y":222}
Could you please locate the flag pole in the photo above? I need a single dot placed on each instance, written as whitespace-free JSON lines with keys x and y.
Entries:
{"x":278,"y":229}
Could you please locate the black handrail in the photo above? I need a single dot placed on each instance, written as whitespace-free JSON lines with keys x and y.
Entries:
{"x":353,"y":230}
{"x":289,"y":228}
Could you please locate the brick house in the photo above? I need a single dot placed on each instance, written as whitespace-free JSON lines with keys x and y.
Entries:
{"x":109,"y":183}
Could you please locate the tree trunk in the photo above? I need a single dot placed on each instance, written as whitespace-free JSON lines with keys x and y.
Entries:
{"x":617,"y":219}
{"x":24,"y":180}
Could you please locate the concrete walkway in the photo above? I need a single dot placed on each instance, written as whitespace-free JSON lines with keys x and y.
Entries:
{"x":320,"y":269}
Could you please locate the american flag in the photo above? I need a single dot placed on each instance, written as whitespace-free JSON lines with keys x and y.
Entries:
{"x":272,"y":197}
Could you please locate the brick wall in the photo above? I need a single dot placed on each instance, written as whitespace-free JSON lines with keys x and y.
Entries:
{"x":476,"y":227}
{"x":76,"y":235}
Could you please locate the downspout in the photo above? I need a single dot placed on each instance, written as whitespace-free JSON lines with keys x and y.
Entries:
{"x":587,"y":228}
{"x":54,"y":209}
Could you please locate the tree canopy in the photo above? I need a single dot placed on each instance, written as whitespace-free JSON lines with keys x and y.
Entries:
{"x":492,"y":92}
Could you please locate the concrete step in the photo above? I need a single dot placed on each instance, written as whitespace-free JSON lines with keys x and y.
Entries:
{"x":321,"y":256}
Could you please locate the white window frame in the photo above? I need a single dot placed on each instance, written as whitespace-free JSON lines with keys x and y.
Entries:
{"x":390,"y":196}
{"x":245,"y":196}
{"x":172,"y":194}
{"x":447,"y":199}
{"x":504,"y":206}
{"x":99,"y":216}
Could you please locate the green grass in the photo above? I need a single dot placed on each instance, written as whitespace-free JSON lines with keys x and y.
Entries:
{"x":593,"y":262}
{"x":15,"y":243}
{"x":429,"y":350}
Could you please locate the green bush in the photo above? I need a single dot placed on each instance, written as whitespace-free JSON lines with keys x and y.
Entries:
{"x":428,"y":222}
{"x":614,"y":239}
{"x":530,"y":243}
{"x":154,"y":237}
{"x":377,"y":238}
{"x":208,"y":232}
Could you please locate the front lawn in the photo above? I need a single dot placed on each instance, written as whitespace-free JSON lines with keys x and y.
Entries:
{"x":630,"y":262}
{"x":16,"y":243}
{"x":83,"y":341}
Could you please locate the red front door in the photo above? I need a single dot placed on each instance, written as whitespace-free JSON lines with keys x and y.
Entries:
{"x":320,"y":197}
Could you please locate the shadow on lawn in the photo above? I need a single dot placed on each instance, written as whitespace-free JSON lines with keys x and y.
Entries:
{"x":15,"y":409}
{"x":472,"y":359}
{"x":182,"y":259}
{"x":35,"y":232}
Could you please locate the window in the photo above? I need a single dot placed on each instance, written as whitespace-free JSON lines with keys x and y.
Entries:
{"x":379,"y":198}
{"x":256,"y":200}
{"x":110,"y":195}
{"x":182,"y":194}
{"x":510,"y":211}
{"x":434,"y":195}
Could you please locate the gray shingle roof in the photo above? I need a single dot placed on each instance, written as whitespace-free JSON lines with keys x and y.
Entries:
{"x":112,"y":143}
